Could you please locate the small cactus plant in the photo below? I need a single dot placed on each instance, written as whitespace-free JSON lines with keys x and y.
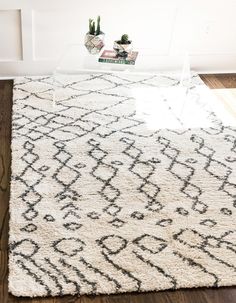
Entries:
{"x":124,"y":39}
{"x":94,"y":38}
{"x":92,"y":27}
{"x":98,"y":30}
{"x":123,"y":46}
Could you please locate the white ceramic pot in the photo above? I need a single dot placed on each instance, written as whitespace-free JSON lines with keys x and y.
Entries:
{"x":123,"y":49}
{"x":94,"y":43}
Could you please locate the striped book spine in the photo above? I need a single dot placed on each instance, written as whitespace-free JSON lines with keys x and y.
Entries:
{"x":117,"y":61}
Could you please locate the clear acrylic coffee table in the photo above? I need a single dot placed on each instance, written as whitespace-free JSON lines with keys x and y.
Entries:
{"x":76,"y":59}
{"x":187,"y":97}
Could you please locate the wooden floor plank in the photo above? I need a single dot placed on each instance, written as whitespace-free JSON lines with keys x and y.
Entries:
{"x":221,"y":295}
{"x":220,"y":80}
{"x":5,"y":133}
{"x":228,"y":82}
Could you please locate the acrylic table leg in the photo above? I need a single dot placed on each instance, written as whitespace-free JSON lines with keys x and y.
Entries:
{"x":53,"y":92}
{"x":185,"y":97}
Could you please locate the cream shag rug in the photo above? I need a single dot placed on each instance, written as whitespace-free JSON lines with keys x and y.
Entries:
{"x":101,"y":203}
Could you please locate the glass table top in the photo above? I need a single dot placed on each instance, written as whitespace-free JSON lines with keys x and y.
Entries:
{"x":186,"y":98}
{"x":76,"y":58}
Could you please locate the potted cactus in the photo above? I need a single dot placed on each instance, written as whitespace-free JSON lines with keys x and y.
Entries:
{"x":123,"y":46}
{"x":94,"y":39}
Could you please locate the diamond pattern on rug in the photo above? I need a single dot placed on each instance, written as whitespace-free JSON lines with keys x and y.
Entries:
{"x":103,"y":203}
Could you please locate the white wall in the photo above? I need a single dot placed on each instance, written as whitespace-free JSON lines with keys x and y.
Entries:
{"x":34,"y":33}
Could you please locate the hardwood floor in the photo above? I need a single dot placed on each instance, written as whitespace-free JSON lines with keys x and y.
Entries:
{"x":5,"y":135}
{"x":227,"y":294}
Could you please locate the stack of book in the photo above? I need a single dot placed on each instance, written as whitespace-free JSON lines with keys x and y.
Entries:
{"x":110,"y":56}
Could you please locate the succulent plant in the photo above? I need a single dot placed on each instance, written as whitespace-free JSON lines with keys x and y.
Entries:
{"x":92,"y":27}
{"x":98,"y":30}
{"x":124,"y":39}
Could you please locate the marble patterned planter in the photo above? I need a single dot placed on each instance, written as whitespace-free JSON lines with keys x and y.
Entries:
{"x":94,"y":43}
{"x":123,"y":49}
